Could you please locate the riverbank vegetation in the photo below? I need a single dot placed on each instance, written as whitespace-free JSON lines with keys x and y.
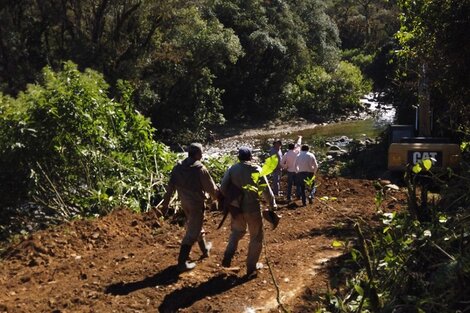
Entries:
{"x":68,"y":150}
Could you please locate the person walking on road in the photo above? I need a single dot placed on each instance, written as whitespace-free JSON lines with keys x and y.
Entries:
{"x":306,"y":167}
{"x":191,"y":180}
{"x":276,"y":175}
{"x":288,"y":163}
{"x":249,"y":213}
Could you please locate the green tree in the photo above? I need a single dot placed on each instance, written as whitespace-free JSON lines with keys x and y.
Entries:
{"x":187,"y":96}
{"x":433,"y":33}
{"x":279,"y":39}
{"x":71,"y":148}
{"x":365,"y":24}
{"x":317,"y":93}
{"x":166,"y":48}
{"x":367,"y":29}
{"x":193,"y":63}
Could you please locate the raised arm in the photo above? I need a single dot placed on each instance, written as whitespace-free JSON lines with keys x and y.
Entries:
{"x":298,"y":144}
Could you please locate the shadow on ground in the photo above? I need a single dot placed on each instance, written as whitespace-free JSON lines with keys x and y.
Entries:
{"x":187,"y":296}
{"x":341,"y":230}
{"x":338,"y":270}
{"x":166,"y":277}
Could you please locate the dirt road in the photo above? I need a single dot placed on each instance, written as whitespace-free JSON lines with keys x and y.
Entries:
{"x":124,"y":262}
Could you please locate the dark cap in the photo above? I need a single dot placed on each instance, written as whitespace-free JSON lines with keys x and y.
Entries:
{"x":244,"y":154}
{"x":194,"y":149}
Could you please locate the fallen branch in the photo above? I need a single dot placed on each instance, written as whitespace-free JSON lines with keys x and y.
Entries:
{"x":443,"y":251}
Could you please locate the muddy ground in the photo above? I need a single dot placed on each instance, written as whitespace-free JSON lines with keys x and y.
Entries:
{"x":125,"y":262}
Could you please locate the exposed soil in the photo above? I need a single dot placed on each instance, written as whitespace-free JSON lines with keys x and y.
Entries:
{"x":125,"y":262}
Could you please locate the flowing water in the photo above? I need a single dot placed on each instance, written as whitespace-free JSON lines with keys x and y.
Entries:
{"x":366,"y":125}
{"x":360,"y":126}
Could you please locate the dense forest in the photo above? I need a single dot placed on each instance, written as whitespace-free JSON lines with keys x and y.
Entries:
{"x":203,"y":61}
{"x":92,"y":93}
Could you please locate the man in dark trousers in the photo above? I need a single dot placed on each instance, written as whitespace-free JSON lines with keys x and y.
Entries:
{"x":191,"y":180}
{"x":288,"y":163}
{"x":249,"y":213}
{"x":306,"y":167}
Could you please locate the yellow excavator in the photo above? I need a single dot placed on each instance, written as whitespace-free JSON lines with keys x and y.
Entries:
{"x":411,"y":143}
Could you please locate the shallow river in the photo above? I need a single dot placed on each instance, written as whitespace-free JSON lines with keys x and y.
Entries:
{"x":360,"y":126}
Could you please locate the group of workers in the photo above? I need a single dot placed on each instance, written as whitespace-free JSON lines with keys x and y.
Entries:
{"x":301,"y":167}
{"x":191,"y":179}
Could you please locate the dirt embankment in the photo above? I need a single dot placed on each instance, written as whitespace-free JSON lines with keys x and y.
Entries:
{"x":124,"y":262}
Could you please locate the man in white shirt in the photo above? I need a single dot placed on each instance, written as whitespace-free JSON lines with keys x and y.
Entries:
{"x":306,"y":167}
{"x":288,"y":163}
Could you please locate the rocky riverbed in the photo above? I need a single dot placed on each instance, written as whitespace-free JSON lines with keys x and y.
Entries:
{"x":360,"y":126}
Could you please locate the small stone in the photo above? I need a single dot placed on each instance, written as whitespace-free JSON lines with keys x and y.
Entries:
{"x":384,"y":182}
{"x":392,"y":187}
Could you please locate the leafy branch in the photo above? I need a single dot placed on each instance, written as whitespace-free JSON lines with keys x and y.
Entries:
{"x":259,"y":185}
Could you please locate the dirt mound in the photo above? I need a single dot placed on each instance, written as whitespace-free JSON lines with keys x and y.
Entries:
{"x":124,"y":262}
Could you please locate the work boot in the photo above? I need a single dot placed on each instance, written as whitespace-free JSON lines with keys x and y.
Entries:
{"x":253,"y":272}
{"x":205,"y":248}
{"x":183,"y":263}
{"x":227,"y":260}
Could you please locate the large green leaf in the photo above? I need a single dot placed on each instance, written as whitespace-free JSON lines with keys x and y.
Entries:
{"x":269,"y":165}
{"x":427,"y":163}
{"x":417,"y":168}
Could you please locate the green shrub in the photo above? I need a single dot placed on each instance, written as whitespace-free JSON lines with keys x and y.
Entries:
{"x":317,"y":92}
{"x":218,"y":165}
{"x":71,"y":148}
{"x":418,"y":259}
{"x":347,"y":87}
{"x":358,"y":58}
